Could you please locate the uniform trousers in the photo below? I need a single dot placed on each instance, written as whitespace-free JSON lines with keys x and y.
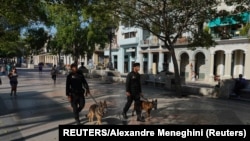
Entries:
{"x":77,"y":103}
{"x":130,"y":99}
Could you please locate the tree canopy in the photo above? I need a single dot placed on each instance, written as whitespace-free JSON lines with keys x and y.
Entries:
{"x":14,"y":15}
{"x":80,"y":26}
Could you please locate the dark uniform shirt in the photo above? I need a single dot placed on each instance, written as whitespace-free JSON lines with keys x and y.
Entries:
{"x":83,"y":69}
{"x":75,"y":84}
{"x":133,"y":83}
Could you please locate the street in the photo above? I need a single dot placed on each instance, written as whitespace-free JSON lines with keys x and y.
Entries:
{"x":40,"y":106}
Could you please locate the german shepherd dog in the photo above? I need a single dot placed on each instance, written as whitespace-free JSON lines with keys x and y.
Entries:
{"x":147,"y":106}
{"x":98,"y":111}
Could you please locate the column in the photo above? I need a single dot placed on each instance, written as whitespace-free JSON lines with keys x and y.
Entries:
{"x":211,"y":69}
{"x":247,"y":66}
{"x":228,"y":65}
{"x":161,"y":61}
{"x":121,"y":60}
{"x":141,"y":62}
{"x":150,"y":62}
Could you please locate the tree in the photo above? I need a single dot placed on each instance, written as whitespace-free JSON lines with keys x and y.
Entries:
{"x":14,"y":15}
{"x":35,"y":39}
{"x":71,"y":36}
{"x":168,"y":20}
{"x":80,"y":25}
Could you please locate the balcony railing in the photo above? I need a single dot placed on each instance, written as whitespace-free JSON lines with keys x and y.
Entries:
{"x":113,"y":46}
{"x":150,"y":42}
{"x":156,"y":42}
{"x":182,"y":41}
{"x":128,"y":41}
{"x":216,"y":36}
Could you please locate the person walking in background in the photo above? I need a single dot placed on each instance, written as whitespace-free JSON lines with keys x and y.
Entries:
{"x":133,"y":92}
{"x":13,"y":81}
{"x":54,"y":73}
{"x":76,"y":87}
{"x":83,"y":69}
{"x":8,"y":67}
{"x":240,"y":83}
{"x":40,"y":67}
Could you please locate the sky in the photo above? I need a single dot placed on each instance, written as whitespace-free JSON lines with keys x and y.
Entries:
{"x":52,"y":30}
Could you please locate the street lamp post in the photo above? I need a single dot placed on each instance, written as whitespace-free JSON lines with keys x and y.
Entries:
{"x":110,"y":32}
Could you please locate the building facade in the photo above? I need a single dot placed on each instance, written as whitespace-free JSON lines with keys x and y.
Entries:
{"x":227,"y":59}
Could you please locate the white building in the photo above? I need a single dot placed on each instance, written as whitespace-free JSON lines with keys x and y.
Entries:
{"x":227,"y":59}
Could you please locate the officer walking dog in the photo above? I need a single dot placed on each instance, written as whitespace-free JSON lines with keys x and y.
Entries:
{"x":76,"y":87}
{"x":133,"y":92}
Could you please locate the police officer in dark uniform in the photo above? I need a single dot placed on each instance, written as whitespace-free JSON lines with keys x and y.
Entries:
{"x":83,"y":69}
{"x":76,"y":86}
{"x":133,"y":92}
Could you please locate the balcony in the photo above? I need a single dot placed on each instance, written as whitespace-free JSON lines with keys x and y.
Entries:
{"x":233,"y":40}
{"x":232,"y":37}
{"x":114,"y":46}
{"x":149,"y":42}
{"x":129,"y":41}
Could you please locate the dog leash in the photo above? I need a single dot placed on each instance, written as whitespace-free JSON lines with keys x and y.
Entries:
{"x":144,"y":98}
{"x":91,"y":96}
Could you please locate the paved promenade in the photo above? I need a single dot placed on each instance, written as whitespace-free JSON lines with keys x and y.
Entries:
{"x":40,"y":106}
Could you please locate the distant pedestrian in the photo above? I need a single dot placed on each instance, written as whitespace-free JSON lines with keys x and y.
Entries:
{"x":8,"y":67}
{"x":240,"y":83}
{"x":83,"y":69}
{"x":76,"y":87}
{"x":54,"y":73}
{"x":133,"y":92}
{"x":13,"y":81}
{"x":40,"y":67}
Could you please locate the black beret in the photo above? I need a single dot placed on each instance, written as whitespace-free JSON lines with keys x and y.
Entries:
{"x":136,"y":64}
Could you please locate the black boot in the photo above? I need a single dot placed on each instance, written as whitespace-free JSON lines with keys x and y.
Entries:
{"x":77,"y":121}
{"x":124,"y":115}
{"x":140,"y":118}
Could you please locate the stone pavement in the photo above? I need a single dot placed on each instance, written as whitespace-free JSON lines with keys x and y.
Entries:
{"x":34,"y":115}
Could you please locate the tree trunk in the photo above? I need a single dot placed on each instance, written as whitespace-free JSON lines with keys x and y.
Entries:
{"x":178,"y":87}
{"x":76,"y":54}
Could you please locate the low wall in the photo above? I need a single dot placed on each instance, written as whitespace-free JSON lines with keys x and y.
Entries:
{"x":196,"y":88}
{"x":108,"y":76}
{"x":201,"y":90}
{"x":30,"y":66}
{"x":226,"y":88}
